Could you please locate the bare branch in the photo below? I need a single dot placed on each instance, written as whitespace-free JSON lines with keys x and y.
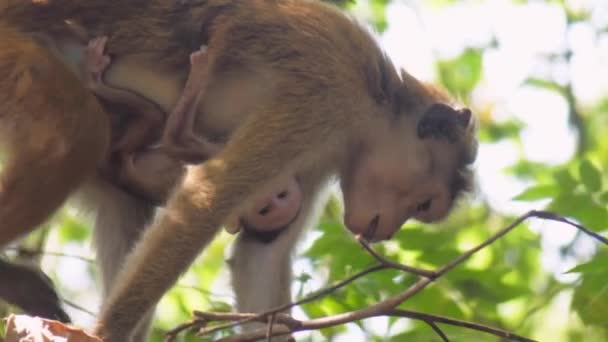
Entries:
{"x":329,"y":321}
{"x":269,"y":328}
{"x":29,"y":251}
{"x":171,"y":335}
{"x":458,"y":323}
{"x":417,"y":271}
{"x":311,"y":297}
{"x":288,"y":325}
{"x":438,"y":330}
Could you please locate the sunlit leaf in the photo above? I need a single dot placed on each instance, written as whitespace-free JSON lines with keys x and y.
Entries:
{"x":565,"y":179}
{"x":590,"y":298}
{"x":599,"y":264}
{"x":590,"y":176}
{"x":378,"y":9}
{"x":604,"y":197}
{"x":72,"y":229}
{"x":538,"y":192}
{"x":498,"y":131}
{"x":583,"y":208}
{"x":460,"y":75}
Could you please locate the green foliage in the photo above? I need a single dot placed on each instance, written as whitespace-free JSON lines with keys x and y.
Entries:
{"x":461,"y":74}
{"x":590,"y":298}
{"x":494,"y":132}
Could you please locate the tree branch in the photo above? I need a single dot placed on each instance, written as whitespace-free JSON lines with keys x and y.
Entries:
{"x":282,"y":324}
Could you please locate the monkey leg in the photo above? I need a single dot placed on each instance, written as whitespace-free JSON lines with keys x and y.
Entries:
{"x":53,"y":130}
{"x":179,"y":138}
{"x":30,"y":290}
{"x":259,"y":289}
{"x":119,"y":221}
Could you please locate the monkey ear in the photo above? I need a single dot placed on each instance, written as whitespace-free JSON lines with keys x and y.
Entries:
{"x":441,"y":121}
{"x":411,"y":85}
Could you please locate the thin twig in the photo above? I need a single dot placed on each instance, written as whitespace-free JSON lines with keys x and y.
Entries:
{"x":311,"y":297}
{"x":417,"y":271}
{"x":438,"y":330}
{"x":269,"y":327}
{"x":43,"y":252}
{"x":387,"y":306}
{"x":171,"y":335}
{"x":458,"y":323}
{"x":325,"y":322}
{"x":554,"y":217}
{"x":78,"y":307}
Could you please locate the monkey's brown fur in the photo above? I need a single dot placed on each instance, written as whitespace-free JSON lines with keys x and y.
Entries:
{"x":333,"y":105}
{"x":54,"y":133}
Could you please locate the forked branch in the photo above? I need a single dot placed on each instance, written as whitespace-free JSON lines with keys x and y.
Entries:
{"x":281,"y":324}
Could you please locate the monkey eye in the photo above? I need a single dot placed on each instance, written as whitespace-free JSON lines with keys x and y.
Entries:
{"x":424,"y":206}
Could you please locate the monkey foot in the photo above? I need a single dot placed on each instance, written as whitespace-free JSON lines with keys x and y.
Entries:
{"x":198,"y":73}
{"x":96,"y":62}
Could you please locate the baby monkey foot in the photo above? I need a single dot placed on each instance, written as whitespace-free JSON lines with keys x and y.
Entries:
{"x":179,"y":139}
{"x":95,"y":63}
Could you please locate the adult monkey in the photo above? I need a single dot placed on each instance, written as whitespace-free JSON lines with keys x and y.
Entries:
{"x":332,"y":104}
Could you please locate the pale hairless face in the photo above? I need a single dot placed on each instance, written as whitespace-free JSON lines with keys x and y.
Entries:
{"x":398,"y":175}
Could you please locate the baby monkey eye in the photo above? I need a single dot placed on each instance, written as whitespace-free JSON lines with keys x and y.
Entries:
{"x":424,"y":206}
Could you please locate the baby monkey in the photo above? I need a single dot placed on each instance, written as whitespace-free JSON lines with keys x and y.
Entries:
{"x":267,"y":213}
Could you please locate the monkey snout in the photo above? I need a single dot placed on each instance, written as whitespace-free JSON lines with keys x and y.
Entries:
{"x":277,"y":211}
{"x":374,"y":229}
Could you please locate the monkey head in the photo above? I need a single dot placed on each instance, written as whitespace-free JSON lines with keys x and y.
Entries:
{"x":414,"y":164}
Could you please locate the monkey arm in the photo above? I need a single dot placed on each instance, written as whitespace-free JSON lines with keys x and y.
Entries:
{"x":208,"y":195}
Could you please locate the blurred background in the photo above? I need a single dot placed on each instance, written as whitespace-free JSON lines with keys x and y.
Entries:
{"x":536,"y":75}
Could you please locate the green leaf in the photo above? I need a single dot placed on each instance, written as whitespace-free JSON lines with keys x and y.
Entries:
{"x":542,"y":83}
{"x":565,"y":179}
{"x":604,"y":197}
{"x":538,"y":192}
{"x":590,"y":299}
{"x":378,"y":9}
{"x":72,"y":229}
{"x":583,"y":208}
{"x":493,"y":132}
{"x":590,"y":176}
{"x":599,"y":264}
{"x":460,"y":75}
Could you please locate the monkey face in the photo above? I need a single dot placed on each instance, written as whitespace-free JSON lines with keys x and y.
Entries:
{"x":400,"y":175}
